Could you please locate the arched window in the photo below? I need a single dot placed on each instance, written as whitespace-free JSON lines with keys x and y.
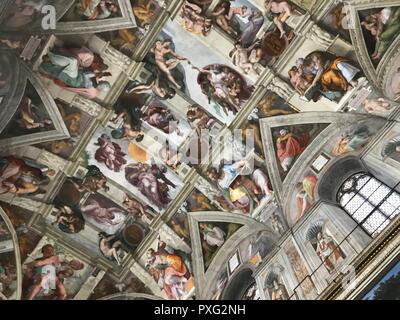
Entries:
{"x":369,"y":202}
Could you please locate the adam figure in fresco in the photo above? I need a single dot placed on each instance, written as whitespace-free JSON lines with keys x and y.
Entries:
{"x":166,"y":59}
{"x":213,"y":235}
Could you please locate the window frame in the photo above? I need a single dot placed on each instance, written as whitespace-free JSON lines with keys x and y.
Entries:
{"x":350,"y":185}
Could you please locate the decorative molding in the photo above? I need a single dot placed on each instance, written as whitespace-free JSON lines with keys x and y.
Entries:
{"x":17,"y":295}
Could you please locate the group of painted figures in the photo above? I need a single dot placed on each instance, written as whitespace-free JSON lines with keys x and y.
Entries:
{"x":144,"y":103}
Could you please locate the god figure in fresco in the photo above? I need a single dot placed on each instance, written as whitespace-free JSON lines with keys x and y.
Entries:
{"x":97,"y":9}
{"x":151,"y":182}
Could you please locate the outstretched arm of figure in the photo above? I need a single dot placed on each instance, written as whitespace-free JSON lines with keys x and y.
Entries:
{"x":113,"y":209}
{"x":201,"y":70}
{"x":219,"y":12}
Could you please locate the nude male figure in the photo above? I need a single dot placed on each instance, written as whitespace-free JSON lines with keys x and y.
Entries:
{"x":160,"y":50}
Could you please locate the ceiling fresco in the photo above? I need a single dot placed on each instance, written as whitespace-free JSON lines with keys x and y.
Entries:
{"x":155,"y":149}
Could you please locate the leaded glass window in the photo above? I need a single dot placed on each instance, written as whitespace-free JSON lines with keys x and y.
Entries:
{"x":371,"y":203}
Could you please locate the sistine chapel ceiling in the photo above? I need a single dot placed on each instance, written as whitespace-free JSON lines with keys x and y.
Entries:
{"x":161,"y":149}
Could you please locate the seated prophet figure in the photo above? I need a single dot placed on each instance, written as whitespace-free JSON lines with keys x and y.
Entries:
{"x":333,"y":73}
{"x":384,"y":26}
{"x":19,"y":176}
{"x":109,"y":153}
{"x":289,"y":147}
{"x":77,"y":70}
{"x":170,"y":268}
{"x":23,"y":12}
{"x":214,"y":236}
{"x":42,"y":273}
{"x":97,"y":9}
